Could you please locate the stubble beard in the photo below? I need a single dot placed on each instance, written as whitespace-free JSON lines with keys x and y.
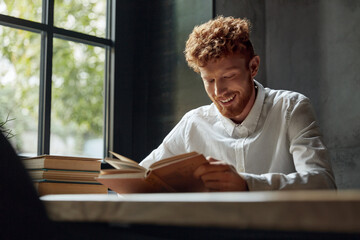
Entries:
{"x":242,"y":99}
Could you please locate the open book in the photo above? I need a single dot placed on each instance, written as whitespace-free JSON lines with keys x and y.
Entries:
{"x":174,"y":174}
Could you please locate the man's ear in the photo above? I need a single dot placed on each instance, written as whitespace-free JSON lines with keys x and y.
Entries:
{"x":254,"y":66}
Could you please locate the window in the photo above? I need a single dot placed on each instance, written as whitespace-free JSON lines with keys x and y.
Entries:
{"x":55,"y":73}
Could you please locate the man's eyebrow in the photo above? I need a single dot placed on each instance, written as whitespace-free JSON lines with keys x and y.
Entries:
{"x":231,"y":68}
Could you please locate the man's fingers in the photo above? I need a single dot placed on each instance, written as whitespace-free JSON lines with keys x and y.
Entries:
{"x":210,"y":159}
{"x":220,"y":176}
{"x":215,"y":161}
{"x":216,"y":176}
{"x":216,"y":186}
{"x":210,"y":168}
{"x":223,"y":181}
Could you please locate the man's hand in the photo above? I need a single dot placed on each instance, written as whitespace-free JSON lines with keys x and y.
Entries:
{"x":220,"y":176}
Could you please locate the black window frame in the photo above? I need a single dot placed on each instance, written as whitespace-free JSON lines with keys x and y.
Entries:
{"x":48,"y":32}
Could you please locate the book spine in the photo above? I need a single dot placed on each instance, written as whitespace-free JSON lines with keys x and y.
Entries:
{"x":72,"y":165}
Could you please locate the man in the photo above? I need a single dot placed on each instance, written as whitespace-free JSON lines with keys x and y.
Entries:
{"x":256,"y":138}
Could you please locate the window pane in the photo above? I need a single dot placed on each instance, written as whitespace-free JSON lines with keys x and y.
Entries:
{"x":19,"y":86}
{"x":85,"y":16}
{"x":25,"y":9}
{"x":77,"y":99}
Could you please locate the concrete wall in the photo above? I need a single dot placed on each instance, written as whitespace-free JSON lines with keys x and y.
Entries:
{"x":253,"y":10}
{"x":313,"y":46}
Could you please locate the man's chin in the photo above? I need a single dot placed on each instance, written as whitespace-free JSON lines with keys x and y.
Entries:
{"x":229,"y":114}
{"x":226,"y":112}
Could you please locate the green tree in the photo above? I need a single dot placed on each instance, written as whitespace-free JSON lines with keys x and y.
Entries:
{"x":78,"y":72}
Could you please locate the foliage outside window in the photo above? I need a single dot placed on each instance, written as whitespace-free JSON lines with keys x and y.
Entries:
{"x":78,"y":75}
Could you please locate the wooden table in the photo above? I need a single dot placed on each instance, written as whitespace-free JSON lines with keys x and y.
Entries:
{"x":309,"y":211}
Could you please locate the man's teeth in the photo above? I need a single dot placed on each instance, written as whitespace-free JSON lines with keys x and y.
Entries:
{"x":228,"y":99}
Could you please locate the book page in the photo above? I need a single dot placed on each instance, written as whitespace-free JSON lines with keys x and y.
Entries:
{"x":121,"y":173}
{"x":180,"y":175}
{"x":124,"y":159}
{"x":158,"y":183}
{"x":118,"y":164}
{"x":166,"y":161}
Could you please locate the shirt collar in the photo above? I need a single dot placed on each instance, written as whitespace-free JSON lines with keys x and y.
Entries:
{"x":250,"y":122}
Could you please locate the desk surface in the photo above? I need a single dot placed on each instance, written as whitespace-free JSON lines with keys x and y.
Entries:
{"x":324,"y":211}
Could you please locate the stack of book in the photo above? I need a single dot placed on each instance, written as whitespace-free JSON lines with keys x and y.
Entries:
{"x":64,"y":175}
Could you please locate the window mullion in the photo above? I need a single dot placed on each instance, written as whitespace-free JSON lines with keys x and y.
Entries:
{"x":109,"y":78}
{"x":46,"y":78}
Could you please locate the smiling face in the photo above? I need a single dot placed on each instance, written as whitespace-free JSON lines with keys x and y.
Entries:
{"x":229,"y":84}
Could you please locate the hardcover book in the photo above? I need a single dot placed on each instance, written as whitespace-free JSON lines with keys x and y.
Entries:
{"x":63,"y":175}
{"x":62,"y":162}
{"x":45,"y":187}
{"x":174,"y":174}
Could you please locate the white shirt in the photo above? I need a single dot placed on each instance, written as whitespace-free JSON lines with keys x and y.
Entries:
{"x":277,"y":146}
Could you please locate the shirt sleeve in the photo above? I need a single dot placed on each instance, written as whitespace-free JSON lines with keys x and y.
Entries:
{"x":173,"y":144}
{"x":310,"y":156}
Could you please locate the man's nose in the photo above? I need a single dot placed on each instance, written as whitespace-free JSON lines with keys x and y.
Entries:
{"x":220,"y":88}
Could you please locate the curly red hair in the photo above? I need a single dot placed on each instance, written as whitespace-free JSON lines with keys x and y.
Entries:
{"x":218,"y":38}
